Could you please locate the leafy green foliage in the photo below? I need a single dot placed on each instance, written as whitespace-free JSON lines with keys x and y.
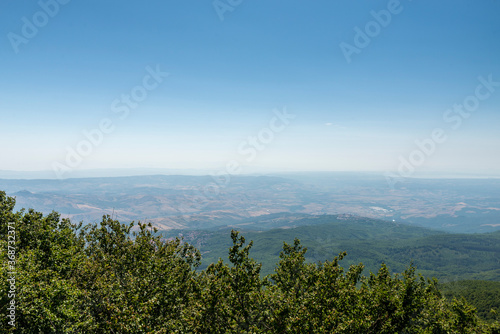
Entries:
{"x":117,"y":278}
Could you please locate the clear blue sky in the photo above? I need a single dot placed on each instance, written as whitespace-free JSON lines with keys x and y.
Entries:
{"x":227,"y":76}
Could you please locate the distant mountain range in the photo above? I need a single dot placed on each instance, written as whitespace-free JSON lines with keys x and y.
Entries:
{"x":89,"y":173}
{"x":201,"y":202}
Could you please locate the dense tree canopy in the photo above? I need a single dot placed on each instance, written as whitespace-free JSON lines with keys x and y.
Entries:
{"x":117,"y":278}
{"x":484,"y":295}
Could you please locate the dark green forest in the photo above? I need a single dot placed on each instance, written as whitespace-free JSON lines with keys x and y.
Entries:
{"x":448,"y":257}
{"x":111,"y":277}
{"x":484,"y":295}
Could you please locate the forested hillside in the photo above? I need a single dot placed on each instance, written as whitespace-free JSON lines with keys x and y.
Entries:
{"x":484,"y":295}
{"x":124,"y":278}
{"x":448,"y":257}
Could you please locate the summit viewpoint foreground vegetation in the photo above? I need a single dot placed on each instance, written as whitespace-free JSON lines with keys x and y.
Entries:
{"x":60,"y":277}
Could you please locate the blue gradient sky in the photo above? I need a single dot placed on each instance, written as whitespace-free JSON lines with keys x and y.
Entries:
{"x":227,"y":76}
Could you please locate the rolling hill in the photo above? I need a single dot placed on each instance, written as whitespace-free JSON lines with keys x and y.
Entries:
{"x":448,"y":257}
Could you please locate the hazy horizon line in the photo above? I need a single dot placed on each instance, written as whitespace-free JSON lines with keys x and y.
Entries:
{"x":150,"y":171}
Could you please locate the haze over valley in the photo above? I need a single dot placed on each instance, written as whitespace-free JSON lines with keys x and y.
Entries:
{"x":201,"y":202}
